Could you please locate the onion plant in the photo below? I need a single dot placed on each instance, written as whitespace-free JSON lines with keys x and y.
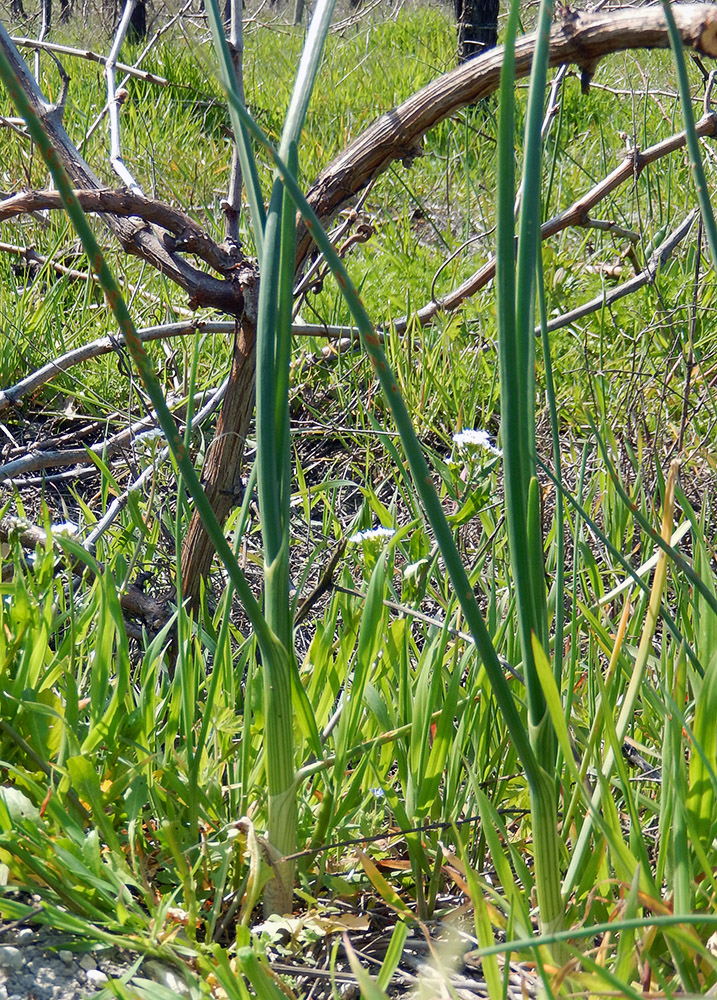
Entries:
{"x":539,"y":732}
{"x":274,"y":238}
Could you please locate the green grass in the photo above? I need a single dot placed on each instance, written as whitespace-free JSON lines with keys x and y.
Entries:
{"x":156,"y":760}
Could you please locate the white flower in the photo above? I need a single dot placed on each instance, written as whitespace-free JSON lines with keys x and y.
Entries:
{"x":414,"y":570}
{"x":370,"y":534}
{"x":65,"y":528}
{"x":467,"y":440}
{"x":147,"y":438}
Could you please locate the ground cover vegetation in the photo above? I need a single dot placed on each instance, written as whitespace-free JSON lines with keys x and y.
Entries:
{"x":437,"y":714}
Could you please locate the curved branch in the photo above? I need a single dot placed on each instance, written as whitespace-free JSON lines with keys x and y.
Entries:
{"x":579,"y":38}
{"x":576,"y":214}
{"x":189,"y":237}
{"x":135,"y":236}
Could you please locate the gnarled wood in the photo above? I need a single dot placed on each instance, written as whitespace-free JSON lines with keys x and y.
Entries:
{"x":221,"y":475}
{"x":580,"y":39}
{"x":136,"y":236}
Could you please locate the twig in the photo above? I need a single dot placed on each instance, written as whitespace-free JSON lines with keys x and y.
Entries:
{"x":30,"y":255}
{"x":38,"y":459}
{"x":120,"y":502}
{"x":114,"y":101}
{"x":576,"y":215}
{"x":126,"y":69}
{"x":343,"y":335}
{"x":323,"y":586}
{"x":231,"y":206}
{"x":392,"y":834}
{"x":647,"y":276}
{"x":67,"y":50}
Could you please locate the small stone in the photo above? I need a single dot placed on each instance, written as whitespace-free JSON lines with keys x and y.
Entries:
{"x":66,"y":956}
{"x":87,"y":962}
{"x":11,"y":957}
{"x":25,"y":933}
{"x":95,"y":977}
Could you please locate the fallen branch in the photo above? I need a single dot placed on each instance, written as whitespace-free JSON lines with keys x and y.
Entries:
{"x":120,"y":502}
{"x":133,"y":601}
{"x":50,"y":458}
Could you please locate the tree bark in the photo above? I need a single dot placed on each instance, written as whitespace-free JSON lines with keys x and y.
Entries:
{"x":221,"y":475}
{"x":137,"y":31}
{"x":477,"y":27}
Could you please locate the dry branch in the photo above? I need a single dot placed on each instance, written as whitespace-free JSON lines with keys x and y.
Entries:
{"x":90,"y":56}
{"x":579,"y":38}
{"x":187,"y":235}
{"x":578,"y":214}
{"x":35,"y":260}
{"x":647,"y":276}
{"x":134,"y":602}
{"x":136,"y":237}
{"x":13,"y":395}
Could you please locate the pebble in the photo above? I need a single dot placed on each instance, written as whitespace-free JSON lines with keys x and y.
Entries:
{"x":95,"y":977}
{"x":11,"y":957}
{"x":36,"y":963}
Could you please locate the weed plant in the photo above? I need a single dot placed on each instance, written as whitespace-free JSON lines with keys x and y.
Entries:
{"x":510,"y":628}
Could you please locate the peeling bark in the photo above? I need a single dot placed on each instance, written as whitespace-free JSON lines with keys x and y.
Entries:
{"x":221,"y":475}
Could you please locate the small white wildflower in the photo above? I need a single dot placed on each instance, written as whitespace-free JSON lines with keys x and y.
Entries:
{"x":468,"y":439}
{"x":371,"y":534}
{"x":147,"y":438}
{"x":65,"y":528}
{"x":414,"y":570}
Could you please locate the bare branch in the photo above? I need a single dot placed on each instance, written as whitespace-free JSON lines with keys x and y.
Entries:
{"x":189,"y":236}
{"x":647,"y":276}
{"x":114,"y":101}
{"x":576,"y":215}
{"x":34,"y":259}
{"x":136,"y":237}
{"x":232,"y":205}
{"x":67,"y":50}
{"x":579,"y":38}
{"x":13,"y":395}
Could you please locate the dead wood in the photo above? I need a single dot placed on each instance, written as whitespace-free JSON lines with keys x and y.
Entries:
{"x":577,"y":214}
{"x":153,"y":233}
{"x":136,"y":236}
{"x":187,"y":236}
{"x":578,"y":38}
{"x":221,"y":475}
{"x":153,"y":613}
